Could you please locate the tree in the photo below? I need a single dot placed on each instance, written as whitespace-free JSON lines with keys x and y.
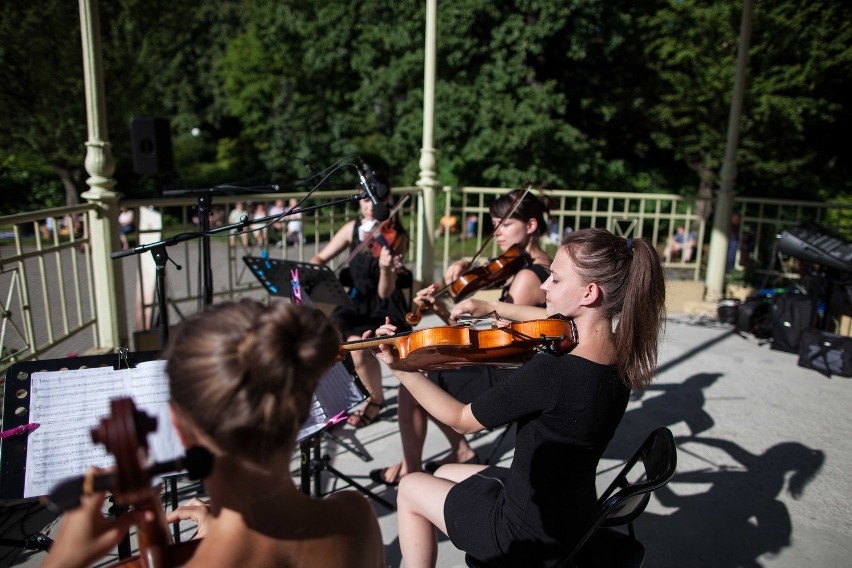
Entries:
{"x":798,"y":70}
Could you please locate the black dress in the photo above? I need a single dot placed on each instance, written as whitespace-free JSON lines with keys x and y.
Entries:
{"x":567,"y":409}
{"x":368,"y":311}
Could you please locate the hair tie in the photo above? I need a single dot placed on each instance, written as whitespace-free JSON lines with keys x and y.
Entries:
{"x":629,"y":243}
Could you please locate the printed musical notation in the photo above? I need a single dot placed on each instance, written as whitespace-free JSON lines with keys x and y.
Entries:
{"x":335,"y":393}
{"x":68,"y":404}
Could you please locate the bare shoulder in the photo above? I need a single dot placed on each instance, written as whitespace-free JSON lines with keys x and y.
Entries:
{"x":355,"y":504}
{"x":356,"y":536}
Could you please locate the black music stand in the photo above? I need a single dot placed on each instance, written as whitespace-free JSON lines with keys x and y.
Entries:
{"x":16,"y":412}
{"x":339,"y":390}
{"x":317,"y":280}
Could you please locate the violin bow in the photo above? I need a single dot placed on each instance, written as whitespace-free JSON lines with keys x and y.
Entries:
{"x":374,"y":231}
{"x":414,"y":317}
{"x":526,"y":189}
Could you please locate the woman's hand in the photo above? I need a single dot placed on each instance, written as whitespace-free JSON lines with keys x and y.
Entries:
{"x":386,"y":260}
{"x":194,"y":510}
{"x":85,"y":535}
{"x":471,"y":307}
{"x":455,"y":270}
{"x":386,"y":352}
{"x":425,"y":296}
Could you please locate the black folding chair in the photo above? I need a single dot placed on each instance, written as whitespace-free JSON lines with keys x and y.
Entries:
{"x":620,"y":505}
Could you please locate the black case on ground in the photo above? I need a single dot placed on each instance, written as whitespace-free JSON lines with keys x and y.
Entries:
{"x":792,"y":315}
{"x":828,"y":353}
{"x":755,"y":316}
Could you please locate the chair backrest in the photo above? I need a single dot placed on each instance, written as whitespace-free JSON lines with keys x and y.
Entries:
{"x":623,"y":501}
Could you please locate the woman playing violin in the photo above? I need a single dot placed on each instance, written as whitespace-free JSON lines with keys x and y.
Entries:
{"x":374,"y":292}
{"x":518,"y":223}
{"x":567,"y":409}
{"x":241,"y":377}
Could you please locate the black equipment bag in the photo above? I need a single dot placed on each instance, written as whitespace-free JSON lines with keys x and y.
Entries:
{"x":755,"y":316}
{"x":727,"y":311}
{"x":792,"y":314}
{"x":828,"y":353}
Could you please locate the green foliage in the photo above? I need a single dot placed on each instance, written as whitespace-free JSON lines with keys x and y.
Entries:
{"x":27,"y":185}
{"x":625,"y":95}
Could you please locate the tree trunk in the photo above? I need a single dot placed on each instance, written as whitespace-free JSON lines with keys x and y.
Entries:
{"x":72,"y":182}
{"x":704,"y":201}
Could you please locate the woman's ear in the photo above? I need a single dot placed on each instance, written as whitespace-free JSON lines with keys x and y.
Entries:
{"x":592,"y":294}
{"x":532,"y":226}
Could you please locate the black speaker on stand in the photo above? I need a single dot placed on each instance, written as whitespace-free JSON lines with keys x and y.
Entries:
{"x":151,"y":140}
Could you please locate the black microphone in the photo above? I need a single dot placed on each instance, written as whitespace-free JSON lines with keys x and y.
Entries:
{"x":65,"y":495}
{"x":380,"y":210}
{"x":382,"y":190}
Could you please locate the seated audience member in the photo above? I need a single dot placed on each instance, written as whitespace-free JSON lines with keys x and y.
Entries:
{"x":681,"y":243}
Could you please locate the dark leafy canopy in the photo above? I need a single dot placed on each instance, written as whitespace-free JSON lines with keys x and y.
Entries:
{"x":587,"y":94}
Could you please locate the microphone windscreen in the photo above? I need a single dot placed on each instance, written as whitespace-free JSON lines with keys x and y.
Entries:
{"x":381,"y":189}
{"x":199,"y":462}
{"x":380,"y":212}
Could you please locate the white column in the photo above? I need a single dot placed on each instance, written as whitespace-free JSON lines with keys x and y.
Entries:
{"x":425,"y":268}
{"x":103,"y":222}
{"x":715,"y":279}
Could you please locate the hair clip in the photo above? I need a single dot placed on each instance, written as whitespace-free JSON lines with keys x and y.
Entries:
{"x":629,"y":243}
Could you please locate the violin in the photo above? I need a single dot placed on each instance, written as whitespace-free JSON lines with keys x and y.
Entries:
{"x":451,"y":347}
{"x":124,"y":434}
{"x":386,"y":237}
{"x":383,"y":234}
{"x":494,"y":272}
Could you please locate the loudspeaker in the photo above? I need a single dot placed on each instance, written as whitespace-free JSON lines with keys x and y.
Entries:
{"x":151,"y":140}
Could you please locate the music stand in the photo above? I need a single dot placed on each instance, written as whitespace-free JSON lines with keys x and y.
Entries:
{"x":13,"y":450}
{"x":338,"y":391}
{"x":317,"y":280}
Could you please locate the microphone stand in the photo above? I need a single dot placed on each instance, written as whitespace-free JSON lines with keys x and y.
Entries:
{"x":160,"y":254}
{"x":205,"y":279}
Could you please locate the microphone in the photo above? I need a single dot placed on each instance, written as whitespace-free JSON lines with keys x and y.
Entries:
{"x":381,"y":188}
{"x":65,"y":495}
{"x":380,"y":210}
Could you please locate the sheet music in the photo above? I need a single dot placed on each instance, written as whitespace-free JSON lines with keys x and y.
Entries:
{"x":68,"y":404}
{"x":336,"y":392}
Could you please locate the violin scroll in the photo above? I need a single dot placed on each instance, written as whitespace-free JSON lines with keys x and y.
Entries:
{"x":124,"y":434}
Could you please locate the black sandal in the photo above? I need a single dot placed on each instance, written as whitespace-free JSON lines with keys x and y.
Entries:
{"x":360,"y":418}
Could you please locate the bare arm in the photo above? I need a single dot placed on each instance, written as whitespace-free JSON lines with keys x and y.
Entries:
{"x":437,"y":402}
{"x":387,"y":274}
{"x":338,"y":243}
{"x":483,"y":308}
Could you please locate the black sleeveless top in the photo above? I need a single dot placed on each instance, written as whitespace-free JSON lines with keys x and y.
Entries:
{"x":368,"y":311}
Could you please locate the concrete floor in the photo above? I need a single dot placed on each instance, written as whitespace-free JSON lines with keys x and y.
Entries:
{"x":763,"y":454}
